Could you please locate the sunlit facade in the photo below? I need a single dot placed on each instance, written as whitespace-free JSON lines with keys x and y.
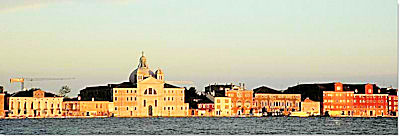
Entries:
{"x":223,"y":106}
{"x":148,"y":95}
{"x":35,"y":104}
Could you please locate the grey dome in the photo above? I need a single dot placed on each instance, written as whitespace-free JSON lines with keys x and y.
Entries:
{"x":144,"y":71}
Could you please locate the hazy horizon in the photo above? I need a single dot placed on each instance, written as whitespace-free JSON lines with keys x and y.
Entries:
{"x":256,"y":42}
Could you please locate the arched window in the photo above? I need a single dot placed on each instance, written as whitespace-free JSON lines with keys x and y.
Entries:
{"x":150,"y":91}
{"x":239,"y":103}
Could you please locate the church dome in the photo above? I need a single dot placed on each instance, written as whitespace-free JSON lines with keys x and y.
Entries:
{"x":142,"y":70}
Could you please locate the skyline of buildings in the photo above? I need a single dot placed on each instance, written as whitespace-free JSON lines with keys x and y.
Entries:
{"x":147,"y":94}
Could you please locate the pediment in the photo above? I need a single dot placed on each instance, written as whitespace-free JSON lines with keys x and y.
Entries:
{"x":150,"y":80}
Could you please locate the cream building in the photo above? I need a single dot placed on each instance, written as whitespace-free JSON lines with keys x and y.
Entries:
{"x":146,"y":94}
{"x":223,"y":106}
{"x":35,"y":104}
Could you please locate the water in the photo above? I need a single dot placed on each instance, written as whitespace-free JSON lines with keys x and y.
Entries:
{"x":204,"y":126}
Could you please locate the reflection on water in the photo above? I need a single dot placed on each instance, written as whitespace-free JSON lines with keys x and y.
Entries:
{"x":167,"y":126}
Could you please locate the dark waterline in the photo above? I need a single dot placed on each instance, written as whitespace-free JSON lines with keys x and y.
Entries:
{"x":203,"y":126}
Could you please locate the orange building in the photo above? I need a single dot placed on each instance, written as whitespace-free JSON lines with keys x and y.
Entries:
{"x":312,"y":108}
{"x":370,"y":104}
{"x":242,"y":101}
{"x":393,"y":105}
{"x":338,"y":103}
{"x":277,"y":104}
{"x":2,"y":100}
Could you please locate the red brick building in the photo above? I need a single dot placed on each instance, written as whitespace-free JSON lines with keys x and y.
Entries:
{"x":393,"y":105}
{"x":370,"y":104}
{"x":338,"y":103}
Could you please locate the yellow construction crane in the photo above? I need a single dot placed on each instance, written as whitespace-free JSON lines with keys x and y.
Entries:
{"x":22,"y":80}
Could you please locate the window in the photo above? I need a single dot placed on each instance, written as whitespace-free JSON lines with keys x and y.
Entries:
{"x":127,"y":108}
{"x":127,"y":98}
{"x":155,"y":103}
{"x":116,"y":91}
{"x":116,"y":108}
{"x":144,"y":102}
{"x":172,"y":98}
{"x":127,"y":91}
{"x":131,"y":98}
{"x":239,"y":103}
{"x":218,"y":101}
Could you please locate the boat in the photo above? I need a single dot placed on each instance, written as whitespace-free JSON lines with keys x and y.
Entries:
{"x":299,"y":114}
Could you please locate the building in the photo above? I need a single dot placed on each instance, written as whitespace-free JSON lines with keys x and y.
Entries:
{"x":205,"y":109}
{"x":338,"y":103}
{"x":393,"y":105}
{"x":146,"y":94}
{"x":78,"y":108}
{"x":35,"y":104}
{"x":312,"y":108}
{"x":277,"y":104}
{"x":100,"y":93}
{"x":223,"y":106}
{"x":2,"y":104}
{"x":370,"y":104}
{"x":242,"y":101}
{"x":218,"y":90}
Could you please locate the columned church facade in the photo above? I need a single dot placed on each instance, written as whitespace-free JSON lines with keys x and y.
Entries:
{"x":147,"y":95}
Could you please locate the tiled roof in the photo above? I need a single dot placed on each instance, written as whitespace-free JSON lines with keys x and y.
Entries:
{"x":125,"y":85}
{"x":29,"y":93}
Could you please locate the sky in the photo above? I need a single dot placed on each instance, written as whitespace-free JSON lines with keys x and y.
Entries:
{"x":276,"y":43}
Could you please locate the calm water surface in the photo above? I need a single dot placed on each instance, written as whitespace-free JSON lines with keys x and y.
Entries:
{"x":204,"y":126}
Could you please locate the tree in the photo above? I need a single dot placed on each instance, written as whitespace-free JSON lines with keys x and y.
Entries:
{"x":64,"y":91}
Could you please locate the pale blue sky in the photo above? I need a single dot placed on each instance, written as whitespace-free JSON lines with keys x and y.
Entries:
{"x":277,"y":43}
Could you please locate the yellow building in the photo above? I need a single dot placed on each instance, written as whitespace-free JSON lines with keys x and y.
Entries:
{"x":312,"y":108}
{"x":146,"y":94}
{"x":92,"y":108}
{"x":35,"y":104}
{"x":223,"y":106}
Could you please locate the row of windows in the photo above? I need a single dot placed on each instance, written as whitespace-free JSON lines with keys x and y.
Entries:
{"x":355,"y":101}
{"x":127,"y":91}
{"x":353,"y":107}
{"x":165,"y":108}
{"x":279,"y":96}
{"x":339,"y":94}
{"x":147,"y":91}
{"x":219,"y":100}
{"x":31,"y":104}
{"x":219,"y":107}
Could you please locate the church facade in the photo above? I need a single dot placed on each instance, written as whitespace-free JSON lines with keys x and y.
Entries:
{"x":147,"y":95}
